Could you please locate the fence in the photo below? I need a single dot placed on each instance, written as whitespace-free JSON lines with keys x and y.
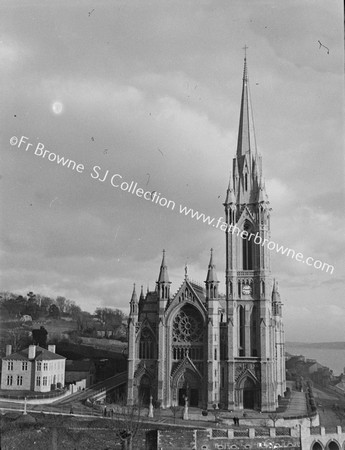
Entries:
{"x":35,"y":396}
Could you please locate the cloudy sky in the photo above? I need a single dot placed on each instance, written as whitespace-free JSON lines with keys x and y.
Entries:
{"x":151,"y":91}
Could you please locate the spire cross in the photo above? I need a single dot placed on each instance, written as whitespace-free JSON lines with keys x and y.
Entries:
{"x":245,"y":51}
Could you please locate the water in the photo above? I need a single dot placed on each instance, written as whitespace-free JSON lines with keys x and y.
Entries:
{"x":332,"y":358}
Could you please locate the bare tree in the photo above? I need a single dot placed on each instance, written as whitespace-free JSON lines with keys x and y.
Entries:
{"x":274,"y":417}
{"x":18,"y":338}
{"x":127,"y":423}
{"x":175,"y":410}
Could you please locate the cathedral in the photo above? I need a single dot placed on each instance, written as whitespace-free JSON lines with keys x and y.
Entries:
{"x":209,"y":348}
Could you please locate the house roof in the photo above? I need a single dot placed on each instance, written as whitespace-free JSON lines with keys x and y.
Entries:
{"x":42,"y":354}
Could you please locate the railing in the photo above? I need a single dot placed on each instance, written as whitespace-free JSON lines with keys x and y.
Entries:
{"x":246,"y":273}
{"x":219,"y":433}
{"x":37,"y":396}
{"x":283,"y":431}
{"x":242,"y":432}
{"x":252,"y":432}
{"x":262,"y":432}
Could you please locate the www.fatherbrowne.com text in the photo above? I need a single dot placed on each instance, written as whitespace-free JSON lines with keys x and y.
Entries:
{"x":116,"y":181}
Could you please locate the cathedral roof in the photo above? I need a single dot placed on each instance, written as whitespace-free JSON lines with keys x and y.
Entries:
{"x":199,"y":290}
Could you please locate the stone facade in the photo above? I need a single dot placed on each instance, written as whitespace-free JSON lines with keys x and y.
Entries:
{"x":32,"y":369}
{"x":213,"y":350}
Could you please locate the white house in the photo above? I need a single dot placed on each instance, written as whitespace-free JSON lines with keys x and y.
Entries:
{"x":33,"y":369}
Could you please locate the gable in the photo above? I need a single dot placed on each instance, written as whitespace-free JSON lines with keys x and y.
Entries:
{"x":188,"y":292}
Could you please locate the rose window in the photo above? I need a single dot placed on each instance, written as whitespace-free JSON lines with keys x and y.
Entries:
{"x":187,"y":327}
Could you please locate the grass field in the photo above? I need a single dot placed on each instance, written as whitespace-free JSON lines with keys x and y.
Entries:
{"x":57,"y":329}
{"x":45,"y":432}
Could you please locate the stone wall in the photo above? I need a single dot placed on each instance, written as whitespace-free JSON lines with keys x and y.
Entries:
{"x":226,"y":439}
{"x":309,"y":436}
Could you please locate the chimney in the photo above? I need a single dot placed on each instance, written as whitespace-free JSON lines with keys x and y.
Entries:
{"x":32,"y":352}
{"x":51,"y":348}
{"x":8,"y":349}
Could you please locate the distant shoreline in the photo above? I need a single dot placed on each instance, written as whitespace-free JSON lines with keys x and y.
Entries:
{"x":320,"y":345}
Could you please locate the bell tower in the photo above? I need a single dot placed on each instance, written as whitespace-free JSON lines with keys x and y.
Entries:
{"x":251,"y":357}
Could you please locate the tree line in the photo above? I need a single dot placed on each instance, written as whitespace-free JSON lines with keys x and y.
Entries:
{"x":13,"y":306}
{"x":105,"y":322}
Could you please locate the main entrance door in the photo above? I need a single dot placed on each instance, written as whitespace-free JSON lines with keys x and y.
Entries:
{"x":194,"y":397}
{"x":248,"y":399}
{"x":144,"y":390}
{"x":189,"y":386}
{"x":249,"y":394}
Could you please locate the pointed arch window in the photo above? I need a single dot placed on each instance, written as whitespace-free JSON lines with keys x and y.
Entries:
{"x":317,"y":446}
{"x":246,"y":181}
{"x":241,"y":321}
{"x":146,"y":345}
{"x":253,"y":331}
{"x":247,"y":249}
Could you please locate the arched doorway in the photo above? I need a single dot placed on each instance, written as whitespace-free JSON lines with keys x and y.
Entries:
{"x":189,"y":386}
{"x":250,"y":394}
{"x":333,"y":446}
{"x":145,"y":390}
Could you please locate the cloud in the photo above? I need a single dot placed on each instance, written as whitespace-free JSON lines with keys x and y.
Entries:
{"x":153,"y":93}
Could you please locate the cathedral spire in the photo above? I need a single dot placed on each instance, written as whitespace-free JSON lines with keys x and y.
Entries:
{"x":163,"y":284}
{"x":142,"y":297}
{"x":211,"y":273}
{"x":211,"y":280}
{"x":275,"y":292}
{"x":230,"y":195}
{"x":134,"y":302}
{"x":134,"y":298}
{"x":163,"y":273}
{"x":246,"y":137}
